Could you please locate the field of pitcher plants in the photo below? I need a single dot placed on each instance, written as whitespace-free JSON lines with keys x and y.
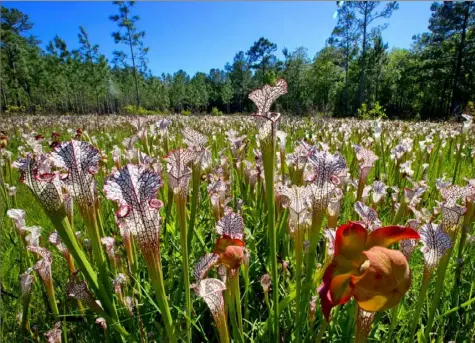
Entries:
{"x":258,"y":228}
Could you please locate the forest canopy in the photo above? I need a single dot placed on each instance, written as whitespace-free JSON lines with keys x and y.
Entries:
{"x":355,"y":73}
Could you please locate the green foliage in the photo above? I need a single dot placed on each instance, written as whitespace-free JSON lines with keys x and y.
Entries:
{"x":470,"y":108}
{"x":131,"y":109}
{"x":13,"y":109}
{"x":216,"y":112}
{"x":185,"y":112}
{"x":377,"y":112}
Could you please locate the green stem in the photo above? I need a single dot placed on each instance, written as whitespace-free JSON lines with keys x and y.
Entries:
{"x":400,"y":212}
{"x":457,"y":158}
{"x":317,"y":219}
{"x":268,"y":155}
{"x":321,"y":330}
{"x":61,"y":223}
{"x":245,"y":269}
{"x":24,"y":318}
{"x":222,"y":326}
{"x":156,"y":275}
{"x":236,"y":294}
{"x":298,"y":278}
{"x":181,"y":207}
{"x":230,"y":304}
{"x":444,"y":262}
{"x":465,"y":304}
{"x":467,"y":224}
{"x":394,"y":315}
{"x":420,"y":301}
{"x":196,"y":180}
{"x":51,"y":297}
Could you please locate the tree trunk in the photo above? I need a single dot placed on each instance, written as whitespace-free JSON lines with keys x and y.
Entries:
{"x":458,"y":63}
{"x":137,"y":95}
{"x":363,"y":56}
{"x":346,"y":81}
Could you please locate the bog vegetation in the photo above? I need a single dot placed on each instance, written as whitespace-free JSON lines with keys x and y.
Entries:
{"x":355,"y":72}
{"x":260,"y":228}
{"x":286,"y":225}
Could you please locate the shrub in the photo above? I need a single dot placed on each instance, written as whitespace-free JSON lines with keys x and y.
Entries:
{"x":377,"y":112}
{"x":216,"y":112}
{"x":470,"y":108}
{"x":13,"y":109}
{"x":132,"y":109}
{"x":186,"y":112}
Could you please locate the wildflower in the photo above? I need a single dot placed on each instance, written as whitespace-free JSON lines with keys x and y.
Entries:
{"x":54,"y":335}
{"x":179,"y":174}
{"x":334,"y":207}
{"x":363,"y":325}
{"x":263,"y":98}
{"x":81,"y":161}
{"x":379,"y":191}
{"x":134,"y":188}
{"x":368,"y":216}
{"x":211,"y":291}
{"x":468,"y":123}
{"x":26,"y":281}
{"x":435,"y":244}
{"x":35,"y":172}
{"x":451,"y":214}
{"x":229,"y":248}
{"x":108,"y":243}
{"x":11,"y":190}
{"x":33,"y":238}
{"x":407,"y":246}
{"x":80,"y":291}
{"x":297,"y":199}
{"x":43,"y":265}
{"x":18,"y":217}
{"x":265,"y":282}
{"x":3,"y":141}
{"x":364,"y":268}
{"x":102,"y":323}
{"x":366,"y":158}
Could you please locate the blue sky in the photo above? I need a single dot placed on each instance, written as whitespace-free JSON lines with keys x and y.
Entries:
{"x":198,"y":36}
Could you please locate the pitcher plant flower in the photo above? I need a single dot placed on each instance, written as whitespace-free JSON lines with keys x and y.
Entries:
{"x":179,"y":176}
{"x":297,"y":200}
{"x":58,"y":243}
{"x":364,"y":268}
{"x":211,"y":291}
{"x":43,"y":268}
{"x":229,"y":252}
{"x":54,"y":335}
{"x":451,"y":214}
{"x":327,"y":171}
{"x":196,"y":142}
{"x":80,"y":160}
{"x":35,"y":172}
{"x":26,"y":282}
{"x":436,"y":244}
{"x":369,"y":217}
{"x":263,"y":98}
{"x":134,"y":188}
{"x":366,"y":158}
{"x":79,"y":291}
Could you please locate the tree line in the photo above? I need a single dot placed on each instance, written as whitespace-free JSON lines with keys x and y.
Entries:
{"x":355,"y":72}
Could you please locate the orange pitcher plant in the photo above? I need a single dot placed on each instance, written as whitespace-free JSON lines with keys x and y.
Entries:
{"x":364,"y":268}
